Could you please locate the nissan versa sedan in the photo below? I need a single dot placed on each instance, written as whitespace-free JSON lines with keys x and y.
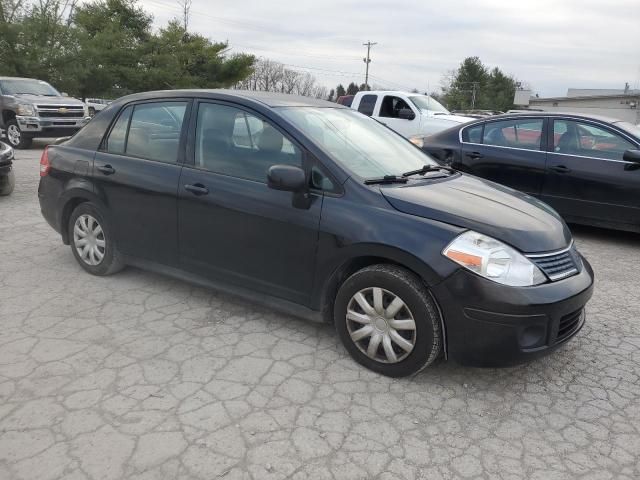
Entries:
{"x":319,"y":211}
{"x":586,"y":167}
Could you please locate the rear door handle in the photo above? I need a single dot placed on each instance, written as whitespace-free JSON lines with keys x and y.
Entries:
{"x":107,"y":169}
{"x":197,"y":189}
{"x":474,"y":155}
{"x":560,"y":169}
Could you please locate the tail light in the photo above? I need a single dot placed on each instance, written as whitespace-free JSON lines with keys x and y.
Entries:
{"x":45,"y":166}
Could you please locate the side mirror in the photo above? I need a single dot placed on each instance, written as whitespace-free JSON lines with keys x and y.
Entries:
{"x":632,"y":156}
{"x":406,"y":114}
{"x":287,"y":178}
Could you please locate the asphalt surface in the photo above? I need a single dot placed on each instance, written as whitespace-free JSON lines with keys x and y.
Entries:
{"x":142,"y":376}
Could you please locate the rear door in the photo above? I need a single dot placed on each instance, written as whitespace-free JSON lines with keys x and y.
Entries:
{"x":586,"y":175}
{"x":510,"y":152}
{"x":136,"y":173}
{"x":232,"y":226}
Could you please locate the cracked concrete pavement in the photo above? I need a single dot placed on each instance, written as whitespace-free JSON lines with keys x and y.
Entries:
{"x":140,"y":376}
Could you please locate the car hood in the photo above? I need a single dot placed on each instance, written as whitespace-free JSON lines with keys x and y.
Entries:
{"x":448,"y":116}
{"x":486,"y":207}
{"x":44,"y":100}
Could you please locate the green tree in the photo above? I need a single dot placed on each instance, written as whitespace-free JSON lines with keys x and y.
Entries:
{"x":352,"y":89}
{"x":332,"y":94}
{"x":340,"y":91}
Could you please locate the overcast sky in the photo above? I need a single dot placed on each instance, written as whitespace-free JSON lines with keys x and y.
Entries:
{"x":550,"y":44}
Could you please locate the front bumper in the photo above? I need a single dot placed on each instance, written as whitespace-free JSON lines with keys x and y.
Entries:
{"x":492,"y":325}
{"x":42,"y":127}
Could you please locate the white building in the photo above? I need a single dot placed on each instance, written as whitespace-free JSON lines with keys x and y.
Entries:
{"x":623,"y":104}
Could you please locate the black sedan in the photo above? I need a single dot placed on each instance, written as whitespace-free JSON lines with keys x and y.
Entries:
{"x":7,"y":176}
{"x":323,"y":212}
{"x":586,"y":167}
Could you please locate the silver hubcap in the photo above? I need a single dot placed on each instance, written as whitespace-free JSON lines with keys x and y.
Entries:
{"x":13,"y":135}
{"x":88,"y":238}
{"x":381,"y":325}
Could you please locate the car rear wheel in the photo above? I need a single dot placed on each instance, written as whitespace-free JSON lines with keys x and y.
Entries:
{"x":7,"y":186}
{"x":15,"y":137}
{"x":92,"y":242}
{"x":387,"y":320}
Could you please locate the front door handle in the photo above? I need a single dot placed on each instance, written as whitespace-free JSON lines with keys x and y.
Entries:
{"x":197,"y":189}
{"x":107,"y":169}
{"x":475,"y":155}
{"x":560,"y":169}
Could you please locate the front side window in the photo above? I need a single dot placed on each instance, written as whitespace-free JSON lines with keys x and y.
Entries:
{"x":367,"y":104}
{"x":154,"y":131}
{"x":587,"y":140}
{"x":520,"y":133}
{"x":391,"y":106}
{"x":234,"y":142}
{"x":359,"y":144}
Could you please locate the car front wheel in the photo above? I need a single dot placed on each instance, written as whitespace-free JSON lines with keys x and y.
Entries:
{"x":387,"y":320}
{"x":92,"y":242}
{"x":15,"y":137}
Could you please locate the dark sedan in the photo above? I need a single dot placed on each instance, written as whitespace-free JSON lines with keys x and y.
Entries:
{"x":323,"y":212}
{"x":586,"y":167}
{"x":7,"y":176}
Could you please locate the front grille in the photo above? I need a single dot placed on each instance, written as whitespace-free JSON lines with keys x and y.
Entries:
{"x":557,"y":265}
{"x":569,"y":324}
{"x":60,"y":111}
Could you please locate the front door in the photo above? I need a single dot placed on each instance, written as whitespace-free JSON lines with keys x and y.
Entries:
{"x":509,"y":152}
{"x":586,"y":175}
{"x":232,"y":226}
{"x":136,"y":173}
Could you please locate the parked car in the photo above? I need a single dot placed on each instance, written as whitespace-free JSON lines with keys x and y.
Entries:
{"x":586,"y":167}
{"x":324,"y":213}
{"x":345,"y":100}
{"x":33,"y":108}
{"x":7,"y":175}
{"x":95,"y":105}
{"x":410,"y":114}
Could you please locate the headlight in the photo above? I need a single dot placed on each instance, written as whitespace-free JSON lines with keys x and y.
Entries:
{"x":26,"y":109}
{"x":417,"y":140}
{"x":493,"y":260}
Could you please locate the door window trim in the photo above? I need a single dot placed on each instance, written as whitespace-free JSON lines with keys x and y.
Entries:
{"x":594,"y":123}
{"x":180,"y":160}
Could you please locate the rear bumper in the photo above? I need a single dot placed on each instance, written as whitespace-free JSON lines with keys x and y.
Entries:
{"x":492,"y":325}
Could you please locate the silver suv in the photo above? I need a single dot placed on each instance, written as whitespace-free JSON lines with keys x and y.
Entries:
{"x":32,"y":108}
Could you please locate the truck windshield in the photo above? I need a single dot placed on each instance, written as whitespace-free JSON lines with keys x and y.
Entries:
{"x":425,"y":102}
{"x":360,"y":144}
{"x":27,"y":87}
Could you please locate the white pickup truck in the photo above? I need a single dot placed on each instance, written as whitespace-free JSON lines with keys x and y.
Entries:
{"x":412,"y":115}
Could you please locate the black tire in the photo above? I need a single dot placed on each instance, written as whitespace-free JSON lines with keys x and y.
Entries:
{"x":111,"y":261}
{"x":20,"y":142}
{"x":8,"y":184}
{"x":408,"y":287}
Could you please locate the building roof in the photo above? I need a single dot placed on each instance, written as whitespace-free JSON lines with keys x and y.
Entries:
{"x":599,"y":92}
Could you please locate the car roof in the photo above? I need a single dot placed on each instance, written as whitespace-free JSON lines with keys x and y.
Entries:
{"x":270,"y":99}
{"x":524,"y":113}
{"x":21,"y":78}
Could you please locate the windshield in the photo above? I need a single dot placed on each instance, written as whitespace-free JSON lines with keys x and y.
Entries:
{"x":29,"y":87}
{"x":425,"y":102}
{"x":357,"y":142}
{"x":630,"y":128}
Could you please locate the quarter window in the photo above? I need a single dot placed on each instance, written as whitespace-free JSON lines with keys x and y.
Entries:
{"x":587,"y":140}
{"x":233,"y":142}
{"x":118,"y":135}
{"x":524,"y":133}
{"x":367,"y":104}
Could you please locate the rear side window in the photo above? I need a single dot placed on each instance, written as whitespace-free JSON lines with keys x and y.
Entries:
{"x":521,"y":133}
{"x":473,"y":134}
{"x":154,"y":131}
{"x":367,"y":103}
{"x":118,"y":136}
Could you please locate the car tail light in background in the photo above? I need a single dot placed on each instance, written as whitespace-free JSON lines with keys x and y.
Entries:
{"x":45,"y":166}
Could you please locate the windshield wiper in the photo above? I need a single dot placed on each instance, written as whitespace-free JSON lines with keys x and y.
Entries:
{"x":427,"y":169}
{"x":385,"y":180}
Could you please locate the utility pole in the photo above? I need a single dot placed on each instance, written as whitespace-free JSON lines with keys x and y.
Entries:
{"x":367,"y":61}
